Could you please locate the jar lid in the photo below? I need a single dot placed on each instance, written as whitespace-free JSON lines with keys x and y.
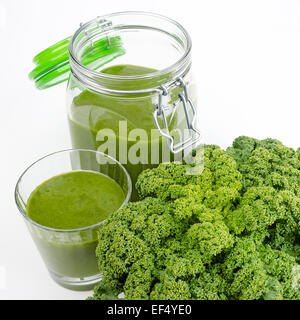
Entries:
{"x":52,"y":64}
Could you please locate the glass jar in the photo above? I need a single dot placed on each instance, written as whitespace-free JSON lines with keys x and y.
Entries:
{"x":140,"y":107}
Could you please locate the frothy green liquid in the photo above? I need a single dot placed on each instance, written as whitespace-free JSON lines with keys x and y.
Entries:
{"x":73,"y":200}
{"x":92,"y":112}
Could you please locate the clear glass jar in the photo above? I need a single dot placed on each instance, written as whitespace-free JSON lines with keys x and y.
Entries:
{"x":140,"y":116}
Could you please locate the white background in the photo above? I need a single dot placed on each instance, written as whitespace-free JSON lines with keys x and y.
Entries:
{"x":246,"y":57}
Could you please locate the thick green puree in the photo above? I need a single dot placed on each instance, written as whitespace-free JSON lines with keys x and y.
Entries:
{"x":74,"y":200}
{"x":127,"y":70}
{"x":91,"y":112}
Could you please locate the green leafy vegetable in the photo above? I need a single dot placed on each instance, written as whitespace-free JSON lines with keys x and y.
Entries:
{"x":231,"y":232}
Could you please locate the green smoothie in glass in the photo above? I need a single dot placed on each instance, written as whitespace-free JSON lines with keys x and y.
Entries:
{"x":64,"y":202}
{"x":73,"y":200}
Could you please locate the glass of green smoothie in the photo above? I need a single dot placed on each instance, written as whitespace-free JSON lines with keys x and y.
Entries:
{"x":64,"y":198}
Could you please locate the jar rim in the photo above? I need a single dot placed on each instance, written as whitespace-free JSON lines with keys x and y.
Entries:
{"x":175,"y":66}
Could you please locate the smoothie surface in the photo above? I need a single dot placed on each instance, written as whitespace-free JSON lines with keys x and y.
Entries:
{"x":73,"y":200}
{"x":128,"y":70}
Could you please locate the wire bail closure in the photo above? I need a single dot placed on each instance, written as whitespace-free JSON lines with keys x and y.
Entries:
{"x":194,"y":133}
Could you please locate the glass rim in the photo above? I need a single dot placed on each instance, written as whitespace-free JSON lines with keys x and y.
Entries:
{"x":158,"y":73}
{"x":126,"y":200}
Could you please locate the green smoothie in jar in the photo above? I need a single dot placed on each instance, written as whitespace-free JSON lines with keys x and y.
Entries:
{"x":138,"y":106}
{"x":92,"y":112}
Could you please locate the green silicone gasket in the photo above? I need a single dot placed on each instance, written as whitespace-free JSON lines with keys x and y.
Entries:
{"x":52,"y":64}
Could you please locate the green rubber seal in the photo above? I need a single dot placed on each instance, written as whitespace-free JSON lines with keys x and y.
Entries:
{"x":52,"y":64}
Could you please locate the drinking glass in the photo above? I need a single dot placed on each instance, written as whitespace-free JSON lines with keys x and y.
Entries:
{"x":69,"y":254}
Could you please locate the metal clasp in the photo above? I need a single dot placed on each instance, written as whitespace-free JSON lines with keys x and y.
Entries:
{"x":194,"y":134}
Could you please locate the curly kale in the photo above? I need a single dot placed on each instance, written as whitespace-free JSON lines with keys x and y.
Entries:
{"x":231,"y":232}
{"x":267,"y":163}
{"x":271,"y":192}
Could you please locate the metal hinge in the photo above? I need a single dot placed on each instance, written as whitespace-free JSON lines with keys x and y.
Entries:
{"x":160,"y":111}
